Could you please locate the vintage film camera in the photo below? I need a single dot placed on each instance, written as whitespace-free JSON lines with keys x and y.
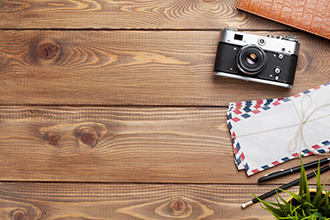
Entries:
{"x":256,"y":58}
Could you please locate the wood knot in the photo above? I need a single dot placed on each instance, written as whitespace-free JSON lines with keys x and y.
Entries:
{"x":53,"y":139}
{"x":19,"y":215}
{"x":48,"y":51}
{"x":175,"y":208}
{"x":88,"y":136}
{"x":178,"y":207}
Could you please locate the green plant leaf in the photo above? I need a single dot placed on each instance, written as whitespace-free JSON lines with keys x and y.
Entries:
{"x":269,"y":206}
{"x":283,"y":200}
{"x":282,"y":207}
{"x":326,"y":197}
{"x":300,"y":198}
{"x":326,"y":205}
{"x":318,"y":214}
{"x":303,"y":187}
{"x":318,"y":187}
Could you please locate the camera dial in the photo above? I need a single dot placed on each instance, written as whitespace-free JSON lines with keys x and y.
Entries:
{"x":262,"y":41}
{"x":251,"y":59}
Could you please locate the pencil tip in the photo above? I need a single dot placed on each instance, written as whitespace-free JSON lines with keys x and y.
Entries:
{"x":247,"y":204}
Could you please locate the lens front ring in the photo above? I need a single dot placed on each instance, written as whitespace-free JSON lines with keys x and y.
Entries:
{"x":251,"y":59}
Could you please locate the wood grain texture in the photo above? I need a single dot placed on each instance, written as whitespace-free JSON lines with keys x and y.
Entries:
{"x":113,"y":144}
{"x":100,"y":201}
{"x":94,"y":144}
{"x":136,"y":68}
{"x":135,"y":14}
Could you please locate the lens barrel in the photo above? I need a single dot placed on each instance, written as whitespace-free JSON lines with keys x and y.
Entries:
{"x":251,"y":59}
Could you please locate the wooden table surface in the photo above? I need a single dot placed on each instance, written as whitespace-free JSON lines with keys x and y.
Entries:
{"x":110,"y":109}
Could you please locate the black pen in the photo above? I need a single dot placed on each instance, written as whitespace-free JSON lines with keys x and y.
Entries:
{"x":280,"y":173}
{"x":270,"y":193}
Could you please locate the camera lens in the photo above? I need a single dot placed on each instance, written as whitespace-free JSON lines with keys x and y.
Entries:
{"x":251,"y":59}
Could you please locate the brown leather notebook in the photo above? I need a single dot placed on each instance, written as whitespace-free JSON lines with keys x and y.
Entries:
{"x":309,"y":15}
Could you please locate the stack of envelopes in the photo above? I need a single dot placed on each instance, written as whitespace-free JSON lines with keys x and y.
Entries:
{"x":268,"y":132}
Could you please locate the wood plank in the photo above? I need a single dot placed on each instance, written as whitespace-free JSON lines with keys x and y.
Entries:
{"x":96,"y":144}
{"x":100,"y":201}
{"x":113,"y":144}
{"x":135,"y":14}
{"x":136,"y":68}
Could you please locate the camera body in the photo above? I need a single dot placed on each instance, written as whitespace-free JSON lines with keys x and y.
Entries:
{"x":256,"y":58}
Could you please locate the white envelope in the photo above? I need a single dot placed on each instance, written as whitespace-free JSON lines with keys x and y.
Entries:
{"x":266,"y":133}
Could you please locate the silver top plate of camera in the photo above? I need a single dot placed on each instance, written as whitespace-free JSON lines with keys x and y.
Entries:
{"x":288,"y":45}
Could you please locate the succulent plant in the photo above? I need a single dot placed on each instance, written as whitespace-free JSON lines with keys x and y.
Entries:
{"x":303,"y":205}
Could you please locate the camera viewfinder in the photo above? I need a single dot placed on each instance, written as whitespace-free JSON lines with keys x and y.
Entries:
{"x":238,"y":37}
